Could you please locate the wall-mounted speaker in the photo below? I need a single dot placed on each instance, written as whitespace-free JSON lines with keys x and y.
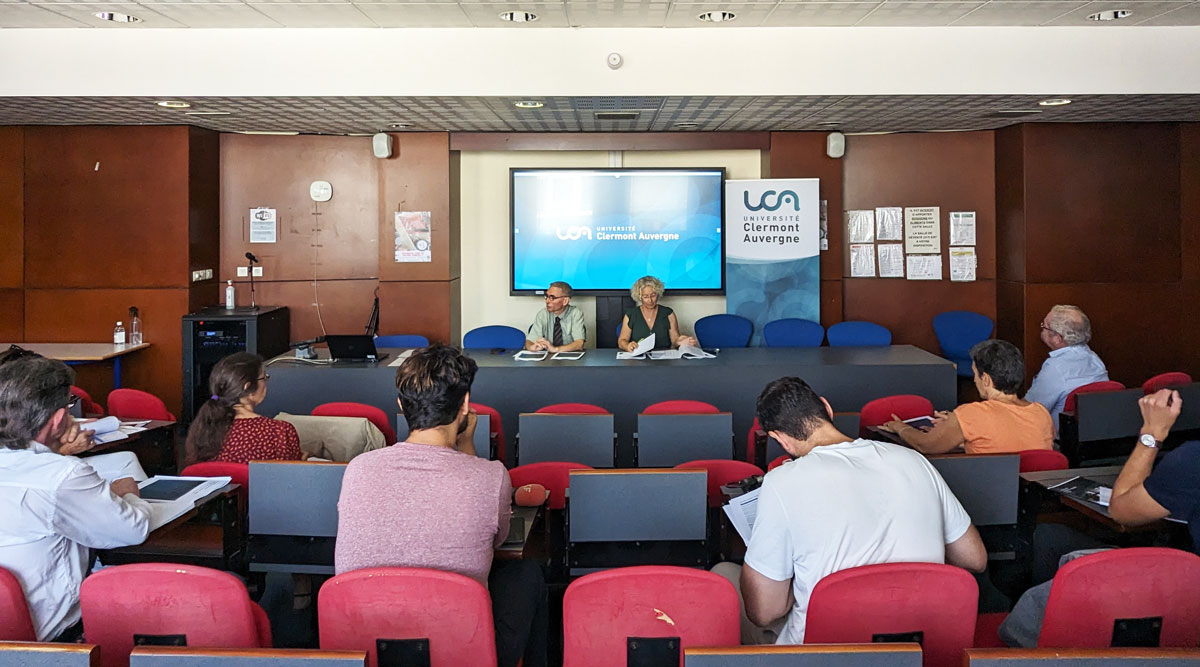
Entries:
{"x":835,"y":145}
{"x":381,"y":144}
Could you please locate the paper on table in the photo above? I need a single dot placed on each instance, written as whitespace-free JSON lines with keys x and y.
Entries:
{"x":108,"y":429}
{"x":962,"y":264}
{"x":891,"y":260}
{"x":889,"y":223}
{"x":860,"y":226}
{"x":924,"y":267}
{"x":208,"y":485}
{"x":862,"y":260}
{"x":163,"y":513}
{"x":742,"y":511}
{"x":644,"y":345}
{"x":569,"y":356}
{"x":962,"y":228}
{"x":531,"y":355}
{"x":401,"y":358}
{"x":684,"y":352}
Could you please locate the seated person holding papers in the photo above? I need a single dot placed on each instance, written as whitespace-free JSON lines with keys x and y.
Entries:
{"x":840,"y":503}
{"x":57,"y":507}
{"x":651,"y":318}
{"x":430,"y":502}
{"x":226,"y":427}
{"x":1002,"y":422}
{"x":559,"y":326}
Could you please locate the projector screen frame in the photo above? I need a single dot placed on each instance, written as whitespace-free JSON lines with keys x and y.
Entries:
{"x":513,"y":291}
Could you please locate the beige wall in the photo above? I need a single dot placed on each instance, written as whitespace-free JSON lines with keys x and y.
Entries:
{"x":485,"y":235}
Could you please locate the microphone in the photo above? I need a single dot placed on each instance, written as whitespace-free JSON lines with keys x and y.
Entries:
{"x":530,"y":495}
{"x":250,"y":256}
{"x":310,"y":341}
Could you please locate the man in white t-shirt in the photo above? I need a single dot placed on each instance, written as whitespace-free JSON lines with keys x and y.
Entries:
{"x":840,"y":504}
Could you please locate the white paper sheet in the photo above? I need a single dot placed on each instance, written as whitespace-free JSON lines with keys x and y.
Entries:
{"x":862,"y":260}
{"x":962,"y":228}
{"x":889,"y":223}
{"x":860,"y":226}
{"x":644,"y":346}
{"x":401,"y":358}
{"x":531,"y":355}
{"x":962,"y":264}
{"x":924,"y":267}
{"x":742,"y":511}
{"x":262,"y":225}
{"x":922,"y":229}
{"x":891,"y":260}
{"x":569,"y":356}
{"x":684,"y":352}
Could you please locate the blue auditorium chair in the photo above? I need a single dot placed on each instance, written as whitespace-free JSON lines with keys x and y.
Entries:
{"x":724,"y":330}
{"x":402,"y":340}
{"x":494,"y":336}
{"x":858,"y":333}
{"x":793,"y":332}
{"x":957,"y":332}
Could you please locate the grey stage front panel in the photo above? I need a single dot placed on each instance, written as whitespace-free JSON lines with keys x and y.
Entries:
{"x":986,"y":485}
{"x":584,"y":439}
{"x":295,"y":498}
{"x":632,"y":505}
{"x":665,"y":441}
{"x":809,"y":656}
{"x":46,"y":655}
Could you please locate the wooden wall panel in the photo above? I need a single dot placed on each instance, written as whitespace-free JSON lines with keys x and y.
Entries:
{"x":831,"y":302}
{"x":338,"y":238}
{"x":92,"y":315}
{"x":12,"y":213}
{"x":106,"y":206}
{"x":1010,"y":311}
{"x":1131,"y":325}
{"x":1189,"y":199}
{"x":907,"y":307}
{"x":12,"y":315}
{"x":345,"y":304}
{"x":802,"y":155}
{"x":204,"y":196}
{"x":1010,"y":203}
{"x":1102,"y":202}
{"x":417,"y":178}
{"x":426,"y":308}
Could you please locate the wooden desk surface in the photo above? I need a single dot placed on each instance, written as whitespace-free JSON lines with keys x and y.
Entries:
{"x":78,"y":351}
{"x":1106,"y":475}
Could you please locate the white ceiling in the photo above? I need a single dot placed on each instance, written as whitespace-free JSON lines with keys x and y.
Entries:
{"x":589,"y":13}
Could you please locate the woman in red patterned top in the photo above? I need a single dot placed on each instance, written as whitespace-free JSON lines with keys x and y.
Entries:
{"x":226,"y":427}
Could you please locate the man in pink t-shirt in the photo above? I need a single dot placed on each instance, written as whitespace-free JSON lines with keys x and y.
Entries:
{"x":429,"y":502}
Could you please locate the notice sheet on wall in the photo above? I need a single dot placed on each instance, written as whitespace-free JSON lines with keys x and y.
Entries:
{"x":889,"y":223}
{"x":891,"y":260}
{"x":262,"y":225}
{"x":922,"y":229}
{"x":862,"y":260}
{"x":824,"y":221}
{"x":924,"y":267}
{"x":860,"y":226}
{"x":413,"y":236}
{"x":962,"y":228}
{"x":962,"y":264}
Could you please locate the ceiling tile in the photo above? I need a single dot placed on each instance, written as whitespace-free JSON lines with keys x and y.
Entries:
{"x":918,"y":13}
{"x":487,"y":15}
{"x":618,"y":14}
{"x":413,"y":15}
{"x":1027,"y":13}
{"x":84,"y":14}
{"x":748,"y":15}
{"x":1141,"y":12}
{"x":215,"y":15}
{"x":789,"y":14}
{"x":1188,"y":15}
{"x":315,"y":15}
{"x":29,"y":16}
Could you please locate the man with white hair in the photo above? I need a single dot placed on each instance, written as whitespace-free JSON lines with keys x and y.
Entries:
{"x":1066,"y":330}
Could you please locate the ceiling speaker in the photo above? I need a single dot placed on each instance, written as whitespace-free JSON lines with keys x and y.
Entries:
{"x":382,"y":145}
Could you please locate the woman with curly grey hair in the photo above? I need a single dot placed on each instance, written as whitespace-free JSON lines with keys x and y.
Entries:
{"x":651,"y":318}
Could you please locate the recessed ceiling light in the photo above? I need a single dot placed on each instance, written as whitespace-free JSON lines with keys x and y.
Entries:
{"x":1110,"y":15}
{"x":518,"y":16}
{"x":117,"y":17}
{"x":172,"y":104}
{"x":1018,"y":111}
{"x":528,"y":104}
{"x":1054,"y":102}
{"x":717,"y":17}
{"x":399,"y":126}
{"x":686,"y":125}
{"x":271,"y":133}
{"x":830,"y":123}
{"x":206,"y":113}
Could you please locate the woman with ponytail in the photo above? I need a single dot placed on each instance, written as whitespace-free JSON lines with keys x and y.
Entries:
{"x":227,"y":429}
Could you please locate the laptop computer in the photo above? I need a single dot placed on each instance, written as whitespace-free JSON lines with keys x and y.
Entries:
{"x":353,"y":348}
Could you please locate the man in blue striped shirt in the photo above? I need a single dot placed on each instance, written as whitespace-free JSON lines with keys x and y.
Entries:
{"x":1066,"y":330}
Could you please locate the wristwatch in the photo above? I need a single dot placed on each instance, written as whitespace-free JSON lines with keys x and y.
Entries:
{"x":1147,"y":440}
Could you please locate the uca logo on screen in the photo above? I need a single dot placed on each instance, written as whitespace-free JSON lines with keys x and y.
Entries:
{"x":786,"y":195}
{"x":575,"y":233}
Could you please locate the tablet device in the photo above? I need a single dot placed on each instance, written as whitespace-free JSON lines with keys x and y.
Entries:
{"x":169,"y":489}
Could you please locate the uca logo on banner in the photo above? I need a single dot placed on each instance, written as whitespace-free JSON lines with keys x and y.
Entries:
{"x":573,"y":233}
{"x":785,"y":196}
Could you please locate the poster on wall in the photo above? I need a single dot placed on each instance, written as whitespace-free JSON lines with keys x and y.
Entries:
{"x":862,"y":260}
{"x":860,"y":226}
{"x":924,"y":267}
{"x":889,"y":223}
{"x":262,"y":225}
{"x":773,"y":239}
{"x":962,"y":264}
{"x":891,"y":260}
{"x":922,"y":229}
{"x":962,"y":228}
{"x":413,"y":236}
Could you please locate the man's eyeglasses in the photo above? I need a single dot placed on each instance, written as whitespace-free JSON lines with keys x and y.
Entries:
{"x":72,"y":401}
{"x":264,"y":377}
{"x":555,"y":298}
{"x":1043,"y":325}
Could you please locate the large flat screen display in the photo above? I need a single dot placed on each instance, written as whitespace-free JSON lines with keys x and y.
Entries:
{"x":602,"y":229}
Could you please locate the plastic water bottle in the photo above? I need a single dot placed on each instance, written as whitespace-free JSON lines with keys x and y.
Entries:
{"x":135,"y":327}
{"x":119,"y":334}
{"x":230,"y":295}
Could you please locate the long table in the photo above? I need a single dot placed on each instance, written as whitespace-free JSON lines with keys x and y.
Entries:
{"x":847,"y":376}
{"x":83,"y":353}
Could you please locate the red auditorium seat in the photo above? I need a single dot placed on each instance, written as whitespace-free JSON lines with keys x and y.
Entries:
{"x":554,"y":475}
{"x":1173,"y":380}
{"x":880,"y":410}
{"x":133,"y":404}
{"x":721,"y":472}
{"x":684,"y":407}
{"x":495,"y":429}
{"x":239,"y":473}
{"x":452,"y":611}
{"x":88,"y":407}
{"x":1037,"y":460}
{"x":369,"y":412}
{"x":573,"y":409}
{"x":15,"y":622}
{"x":778,"y":461}
{"x":1093,"y":388}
